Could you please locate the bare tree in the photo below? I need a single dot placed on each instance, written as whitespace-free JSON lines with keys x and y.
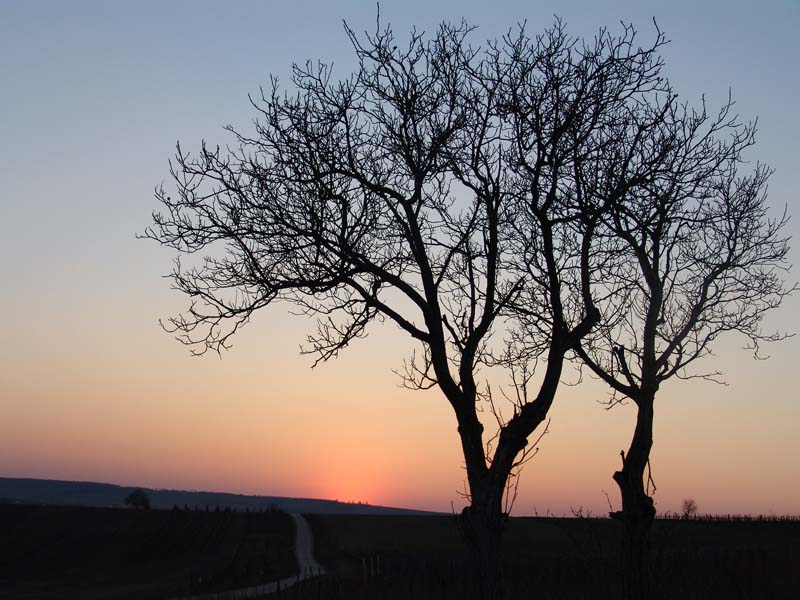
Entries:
{"x":437,"y":187}
{"x":688,"y":508}
{"x":702,"y":257}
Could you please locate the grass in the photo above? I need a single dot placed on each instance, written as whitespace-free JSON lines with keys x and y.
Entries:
{"x":550,"y":558}
{"x":75,"y":552}
{"x":92,"y":553}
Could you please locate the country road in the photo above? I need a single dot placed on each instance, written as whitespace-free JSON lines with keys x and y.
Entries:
{"x":307,"y":567}
{"x":304,"y":548}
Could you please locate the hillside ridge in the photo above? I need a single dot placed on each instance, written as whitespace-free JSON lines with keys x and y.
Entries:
{"x":90,"y":493}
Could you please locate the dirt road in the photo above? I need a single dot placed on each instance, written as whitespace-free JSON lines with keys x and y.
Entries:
{"x":307,"y":567}
{"x":304,"y":548}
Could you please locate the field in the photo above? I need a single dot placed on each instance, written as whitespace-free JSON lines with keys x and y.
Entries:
{"x":70,"y":552}
{"x":114,"y":553}
{"x":550,"y":558}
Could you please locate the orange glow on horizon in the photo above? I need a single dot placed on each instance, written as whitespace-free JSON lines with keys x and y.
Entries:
{"x":352,"y":474}
{"x":261,"y":422}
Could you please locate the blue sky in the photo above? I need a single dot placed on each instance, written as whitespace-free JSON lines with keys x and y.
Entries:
{"x":94,"y":96}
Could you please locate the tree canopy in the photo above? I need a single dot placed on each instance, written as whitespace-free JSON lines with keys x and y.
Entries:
{"x":509,"y":207}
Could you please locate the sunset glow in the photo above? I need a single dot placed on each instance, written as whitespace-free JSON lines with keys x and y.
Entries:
{"x":91,"y":388}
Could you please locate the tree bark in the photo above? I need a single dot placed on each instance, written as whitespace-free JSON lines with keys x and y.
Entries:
{"x":638,"y":513}
{"x":483,"y":521}
{"x":482,"y":524}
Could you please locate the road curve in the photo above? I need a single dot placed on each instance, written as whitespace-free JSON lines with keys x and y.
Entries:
{"x":304,"y":548}
{"x":307,"y":566}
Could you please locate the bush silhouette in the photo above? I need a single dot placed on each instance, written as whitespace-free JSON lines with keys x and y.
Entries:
{"x":138,"y":499}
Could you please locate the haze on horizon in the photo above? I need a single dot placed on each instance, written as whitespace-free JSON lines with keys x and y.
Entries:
{"x":94,"y":97}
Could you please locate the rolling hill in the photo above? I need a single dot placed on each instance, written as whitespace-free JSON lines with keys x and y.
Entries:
{"x":83,"y":493}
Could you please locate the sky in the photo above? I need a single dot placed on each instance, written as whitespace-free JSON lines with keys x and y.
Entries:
{"x":93,"y":98}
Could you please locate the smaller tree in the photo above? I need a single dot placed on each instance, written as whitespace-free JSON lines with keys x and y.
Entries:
{"x":138,"y":499}
{"x":689,"y":508}
{"x":702,"y":258}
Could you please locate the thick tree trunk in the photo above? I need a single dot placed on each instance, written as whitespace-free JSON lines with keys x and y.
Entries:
{"x":483,"y":521}
{"x":483,"y":524}
{"x":638,"y":512}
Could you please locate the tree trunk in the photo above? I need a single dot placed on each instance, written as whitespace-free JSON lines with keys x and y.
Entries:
{"x":483,"y":524}
{"x":638,"y":512}
{"x":483,"y":521}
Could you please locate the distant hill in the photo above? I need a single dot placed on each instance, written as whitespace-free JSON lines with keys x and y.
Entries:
{"x":83,"y":493}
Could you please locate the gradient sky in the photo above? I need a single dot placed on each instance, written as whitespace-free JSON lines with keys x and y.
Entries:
{"x":93,"y":97}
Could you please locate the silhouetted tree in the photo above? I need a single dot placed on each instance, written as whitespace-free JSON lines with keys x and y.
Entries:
{"x":439,"y":187}
{"x":701,"y":257}
{"x":688,"y":508}
{"x":138,"y":499}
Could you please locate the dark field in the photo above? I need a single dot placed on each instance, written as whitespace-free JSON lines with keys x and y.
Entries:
{"x":400,"y":557}
{"x":72,"y":552}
